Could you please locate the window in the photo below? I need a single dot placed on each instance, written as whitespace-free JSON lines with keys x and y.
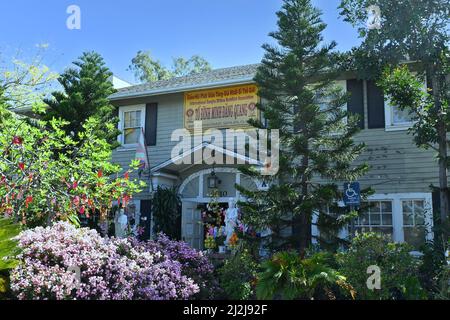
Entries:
{"x":397,"y":119}
{"x":377,"y":217}
{"x":132,"y":120}
{"x":414,"y":228}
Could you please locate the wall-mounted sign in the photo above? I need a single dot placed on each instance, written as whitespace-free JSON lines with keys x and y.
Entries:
{"x":220,"y":108}
{"x":352,"y":194}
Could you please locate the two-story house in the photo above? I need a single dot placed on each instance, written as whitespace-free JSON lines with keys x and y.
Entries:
{"x":400,"y":173}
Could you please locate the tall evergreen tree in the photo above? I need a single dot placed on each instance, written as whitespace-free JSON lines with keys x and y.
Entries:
{"x":299,"y":97}
{"x":86,"y":88}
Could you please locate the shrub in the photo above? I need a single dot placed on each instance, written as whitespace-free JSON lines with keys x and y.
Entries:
{"x":8,"y":251}
{"x":166,"y":208}
{"x":237,"y":276}
{"x":109,"y":268}
{"x":288,"y":276}
{"x":194,"y":263}
{"x":399,"y":269}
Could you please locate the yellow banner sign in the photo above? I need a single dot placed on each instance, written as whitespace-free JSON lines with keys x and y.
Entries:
{"x":221,"y":108}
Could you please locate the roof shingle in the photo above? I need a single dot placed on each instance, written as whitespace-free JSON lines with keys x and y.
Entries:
{"x":199,"y":80}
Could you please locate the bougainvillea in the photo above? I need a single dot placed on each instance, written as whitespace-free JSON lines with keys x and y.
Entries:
{"x":109,"y":268}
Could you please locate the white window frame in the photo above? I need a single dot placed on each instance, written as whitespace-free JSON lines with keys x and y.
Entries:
{"x":122,"y":111}
{"x":389,"y":116}
{"x":397,"y":211}
{"x":389,"y":119}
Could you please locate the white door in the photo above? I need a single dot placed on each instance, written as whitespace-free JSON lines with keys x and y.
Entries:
{"x":192,"y":227}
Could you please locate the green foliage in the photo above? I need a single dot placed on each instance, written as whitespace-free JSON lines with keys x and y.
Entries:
{"x":419,"y":32}
{"x":86,"y":88}
{"x":147,"y":69}
{"x":25,"y":83}
{"x":8,"y":246}
{"x":237,"y":276}
{"x":166,"y":208}
{"x":399,"y":270}
{"x":8,"y":251}
{"x":287,"y":276}
{"x":47,"y":175}
{"x":296,"y":81}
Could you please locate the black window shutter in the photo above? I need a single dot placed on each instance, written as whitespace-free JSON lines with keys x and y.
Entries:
{"x":355,"y":104}
{"x":375,"y":105}
{"x":151,"y":117}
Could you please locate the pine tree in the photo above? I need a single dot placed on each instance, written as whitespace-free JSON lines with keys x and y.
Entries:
{"x":299,"y":97}
{"x":86,"y":89}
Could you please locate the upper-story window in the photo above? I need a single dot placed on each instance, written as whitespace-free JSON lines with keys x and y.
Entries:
{"x":397,"y":118}
{"x":132,"y":120}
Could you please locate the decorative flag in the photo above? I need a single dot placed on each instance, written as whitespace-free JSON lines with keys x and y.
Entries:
{"x":141,"y":153}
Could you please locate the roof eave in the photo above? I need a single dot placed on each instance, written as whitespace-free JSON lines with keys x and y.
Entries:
{"x":155,"y":92}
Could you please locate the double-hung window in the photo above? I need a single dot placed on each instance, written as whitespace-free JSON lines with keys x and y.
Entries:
{"x":397,"y":119}
{"x":377,"y":217}
{"x":414,"y":229}
{"x":132,"y":120}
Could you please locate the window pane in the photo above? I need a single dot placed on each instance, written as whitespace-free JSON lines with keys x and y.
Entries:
{"x":364,"y":219}
{"x":375,"y":219}
{"x":408,"y":219}
{"x":400,"y":116}
{"x":419,"y":212}
{"x":132,"y":119}
{"x":415,"y":236}
{"x":386,"y":206}
{"x":131,"y":136}
{"x":386,"y":219}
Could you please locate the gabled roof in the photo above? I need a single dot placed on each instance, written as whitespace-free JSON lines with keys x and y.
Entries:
{"x":209,"y":79}
{"x":172,"y":166}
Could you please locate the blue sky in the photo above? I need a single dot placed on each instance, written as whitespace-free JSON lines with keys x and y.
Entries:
{"x":225,"y":32}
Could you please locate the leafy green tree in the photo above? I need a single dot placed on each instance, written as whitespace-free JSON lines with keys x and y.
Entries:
{"x":86,"y":88}
{"x":193,"y":65}
{"x":25,"y":83}
{"x":300,"y":98}
{"x":417,"y":31}
{"x":47,"y":175}
{"x":148,"y":69}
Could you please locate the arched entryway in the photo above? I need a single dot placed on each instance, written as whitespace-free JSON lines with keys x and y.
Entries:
{"x":195,"y":192}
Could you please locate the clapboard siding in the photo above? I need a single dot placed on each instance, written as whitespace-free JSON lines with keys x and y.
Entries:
{"x":396,"y":164}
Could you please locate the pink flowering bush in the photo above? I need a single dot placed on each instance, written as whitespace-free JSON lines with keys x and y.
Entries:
{"x":115,"y":269}
{"x":194,"y":263}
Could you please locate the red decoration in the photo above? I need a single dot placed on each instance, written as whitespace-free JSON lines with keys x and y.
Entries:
{"x":17,"y":140}
{"x":28,"y":200}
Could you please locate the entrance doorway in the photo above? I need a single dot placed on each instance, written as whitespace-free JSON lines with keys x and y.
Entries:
{"x":195,"y":194}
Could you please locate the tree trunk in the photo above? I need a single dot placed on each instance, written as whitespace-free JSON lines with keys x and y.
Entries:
{"x":305,"y":225}
{"x":442,"y":142}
